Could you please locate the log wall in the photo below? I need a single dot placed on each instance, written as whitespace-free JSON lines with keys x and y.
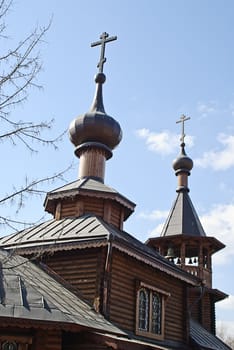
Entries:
{"x":201,"y":307}
{"x":83,"y":269}
{"x":122,"y":299}
{"x":106,"y":209}
{"x":54,"y":340}
{"x":206,"y":312}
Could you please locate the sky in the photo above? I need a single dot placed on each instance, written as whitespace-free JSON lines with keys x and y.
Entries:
{"x":171,"y":58}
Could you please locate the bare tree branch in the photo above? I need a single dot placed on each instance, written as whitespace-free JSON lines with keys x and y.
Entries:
{"x":19,"y":69}
{"x":31,"y":187}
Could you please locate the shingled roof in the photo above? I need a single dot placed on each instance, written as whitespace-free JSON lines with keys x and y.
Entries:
{"x":27,"y":292}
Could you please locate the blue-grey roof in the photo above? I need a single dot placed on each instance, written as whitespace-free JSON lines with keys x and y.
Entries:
{"x":205,"y":339}
{"x":27,"y":292}
{"x":87,"y":231}
{"x":88,"y":185}
{"x":56,"y":232}
{"x":183,"y":218}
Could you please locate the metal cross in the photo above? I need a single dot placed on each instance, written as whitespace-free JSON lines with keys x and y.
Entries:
{"x":104,"y":39}
{"x":183,"y":118}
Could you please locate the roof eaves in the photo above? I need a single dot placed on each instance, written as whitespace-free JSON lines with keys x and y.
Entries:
{"x":90,"y":193}
{"x":28,"y":249}
{"x":156,"y":261}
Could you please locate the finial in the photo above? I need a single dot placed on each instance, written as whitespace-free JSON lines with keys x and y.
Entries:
{"x":104,"y":39}
{"x":182,"y":164}
{"x":182,"y":120}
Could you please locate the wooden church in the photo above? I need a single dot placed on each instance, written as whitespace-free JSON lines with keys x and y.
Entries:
{"x":79,"y":281}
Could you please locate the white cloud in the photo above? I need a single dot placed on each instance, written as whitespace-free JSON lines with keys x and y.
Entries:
{"x":163,"y":143}
{"x":156,"y":232}
{"x":226,"y":304}
{"x":154,"y":215}
{"x":206,"y":108}
{"x":221,"y":159}
{"x":219,"y":223}
{"x":225,"y":329}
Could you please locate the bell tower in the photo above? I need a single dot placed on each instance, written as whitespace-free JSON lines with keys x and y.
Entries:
{"x":184,"y":242}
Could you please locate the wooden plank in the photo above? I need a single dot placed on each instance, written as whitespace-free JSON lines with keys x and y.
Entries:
{"x":124,"y":290}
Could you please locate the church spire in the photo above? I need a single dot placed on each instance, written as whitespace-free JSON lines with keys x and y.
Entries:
{"x":183,"y":239}
{"x":182,"y":164}
{"x":95,"y":134}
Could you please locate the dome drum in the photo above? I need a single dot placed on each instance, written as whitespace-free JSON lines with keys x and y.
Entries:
{"x":93,"y":145}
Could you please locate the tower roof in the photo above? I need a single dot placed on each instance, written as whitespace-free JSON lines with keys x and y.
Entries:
{"x":88,"y":188}
{"x":183,"y":218}
{"x":183,"y":222}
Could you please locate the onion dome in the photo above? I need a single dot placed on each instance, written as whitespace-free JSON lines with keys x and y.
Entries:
{"x":95,"y":134}
{"x":183,"y":163}
{"x":96,"y":126}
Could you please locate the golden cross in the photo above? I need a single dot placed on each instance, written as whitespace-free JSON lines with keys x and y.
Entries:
{"x":182,"y":120}
{"x":104,"y":39}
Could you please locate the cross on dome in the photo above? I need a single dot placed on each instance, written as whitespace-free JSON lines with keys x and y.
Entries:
{"x":182,"y":120}
{"x":104,"y":39}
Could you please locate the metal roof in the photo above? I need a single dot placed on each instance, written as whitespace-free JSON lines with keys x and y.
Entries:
{"x":183,"y":218}
{"x":88,"y":185}
{"x":205,"y":339}
{"x":88,"y":231}
{"x":147,"y":343}
{"x":52,"y":232}
{"x":27,"y":292}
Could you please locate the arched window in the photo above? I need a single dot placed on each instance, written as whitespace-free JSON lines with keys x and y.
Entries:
{"x":156,"y":313}
{"x":150,"y":310}
{"x":143,"y":309}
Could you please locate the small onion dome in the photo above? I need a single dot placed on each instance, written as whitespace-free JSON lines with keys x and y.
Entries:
{"x":95,"y":125}
{"x":182,"y":163}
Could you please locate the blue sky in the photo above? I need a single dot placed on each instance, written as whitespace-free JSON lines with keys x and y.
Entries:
{"x":171,"y":57}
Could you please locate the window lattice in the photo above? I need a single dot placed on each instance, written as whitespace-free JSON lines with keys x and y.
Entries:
{"x":150,"y":311}
{"x":143,"y":309}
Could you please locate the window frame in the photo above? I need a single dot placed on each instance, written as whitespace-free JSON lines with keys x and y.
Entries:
{"x":163,"y":296}
{"x":22,"y":342}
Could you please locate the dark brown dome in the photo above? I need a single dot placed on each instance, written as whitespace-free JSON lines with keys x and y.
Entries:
{"x":96,"y":125}
{"x":182,"y":162}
